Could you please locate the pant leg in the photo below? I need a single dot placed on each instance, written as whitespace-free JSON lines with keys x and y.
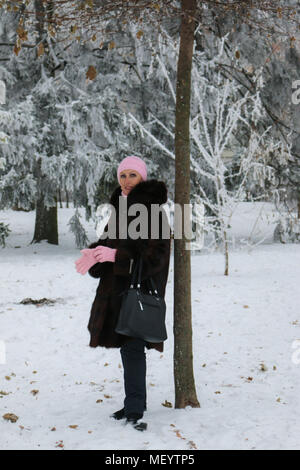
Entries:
{"x":134,"y":364}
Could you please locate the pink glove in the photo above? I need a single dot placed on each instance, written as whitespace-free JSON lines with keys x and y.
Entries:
{"x":103,"y":253}
{"x":86,"y":261}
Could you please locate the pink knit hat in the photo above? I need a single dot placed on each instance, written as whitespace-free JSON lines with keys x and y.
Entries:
{"x":133,"y":163}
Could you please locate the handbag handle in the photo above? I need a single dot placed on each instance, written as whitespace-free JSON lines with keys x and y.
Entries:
{"x":138,"y":267}
{"x":133,"y":277}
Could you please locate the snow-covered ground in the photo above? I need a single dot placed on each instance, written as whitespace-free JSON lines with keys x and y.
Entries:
{"x":242,"y":324}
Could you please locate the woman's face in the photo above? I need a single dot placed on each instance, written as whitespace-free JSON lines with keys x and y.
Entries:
{"x":128,"y":179}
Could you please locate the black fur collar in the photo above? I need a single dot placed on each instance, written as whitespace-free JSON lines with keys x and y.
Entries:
{"x":146,"y":192}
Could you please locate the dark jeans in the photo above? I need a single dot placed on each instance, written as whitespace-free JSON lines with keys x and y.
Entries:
{"x":134,"y":364}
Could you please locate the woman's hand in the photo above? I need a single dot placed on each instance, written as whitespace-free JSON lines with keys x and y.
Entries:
{"x":103,"y":253}
{"x":89,"y":257}
{"x":86,"y":261}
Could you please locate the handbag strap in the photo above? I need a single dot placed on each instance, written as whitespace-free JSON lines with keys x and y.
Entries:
{"x":153,"y":285}
{"x":138,"y":268}
{"x":134,"y":275}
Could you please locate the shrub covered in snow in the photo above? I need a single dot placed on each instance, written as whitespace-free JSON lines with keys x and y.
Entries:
{"x":78,"y":230}
{"x":287,"y":230}
{"x":4,"y":232}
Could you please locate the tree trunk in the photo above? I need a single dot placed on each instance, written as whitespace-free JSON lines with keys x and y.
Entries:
{"x":185,"y":391}
{"x":45,"y":223}
{"x":46,"y":227}
{"x":59,"y":198}
{"x":226,"y":272}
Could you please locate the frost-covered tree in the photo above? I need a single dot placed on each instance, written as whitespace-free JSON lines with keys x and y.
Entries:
{"x":277,"y":55}
{"x":4,"y":228}
{"x":224,"y":116}
{"x":18,"y":187}
{"x":74,"y":114}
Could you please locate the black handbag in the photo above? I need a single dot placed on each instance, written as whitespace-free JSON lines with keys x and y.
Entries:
{"x":142,"y":315}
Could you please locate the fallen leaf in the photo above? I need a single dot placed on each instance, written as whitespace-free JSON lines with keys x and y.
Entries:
{"x":11,"y":417}
{"x":73,"y":426}
{"x":60,"y":444}
{"x":192,"y":445}
{"x":34,"y":392}
{"x":167,"y":404}
{"x":179,"y":435}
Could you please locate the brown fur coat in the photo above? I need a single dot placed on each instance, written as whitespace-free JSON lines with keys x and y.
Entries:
{"x":115,"y":277}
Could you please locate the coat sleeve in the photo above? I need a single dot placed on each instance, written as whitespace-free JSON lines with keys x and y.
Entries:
{"x":98,"y":270}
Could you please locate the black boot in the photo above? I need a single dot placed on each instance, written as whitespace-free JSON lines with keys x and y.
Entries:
{"x":133,"y":420}
{"x":119,"y":414}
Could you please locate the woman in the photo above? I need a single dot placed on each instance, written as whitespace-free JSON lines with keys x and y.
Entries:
{"x":112,"y":260}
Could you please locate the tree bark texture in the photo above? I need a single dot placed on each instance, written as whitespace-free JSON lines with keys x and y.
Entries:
{"x":185,"y":391}
{"x":46,"y":227}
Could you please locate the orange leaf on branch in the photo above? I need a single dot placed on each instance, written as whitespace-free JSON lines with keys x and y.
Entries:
{"x":91,"y":74}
